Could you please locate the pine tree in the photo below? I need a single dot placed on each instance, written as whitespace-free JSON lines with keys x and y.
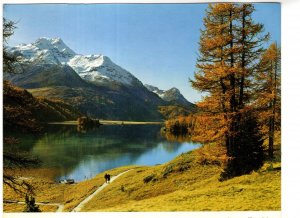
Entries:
{"x":229,"y":49}
{"x":268,"y":95}
{"x":215,"y":77}
{"x":8,"y":59}
{"x":250,"y":43}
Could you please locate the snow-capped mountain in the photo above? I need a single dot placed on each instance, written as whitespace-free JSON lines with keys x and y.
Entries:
{"x":92,"y":84}
{"x":94,"y":68}
{"x":171,"y":95}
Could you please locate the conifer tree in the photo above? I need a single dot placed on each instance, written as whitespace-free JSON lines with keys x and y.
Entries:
{"x":268,"y":94}
{"x":250,"y":43}
{"x":215,"y":77}
{"x":8,"y":59}
{"x":230,"y":46}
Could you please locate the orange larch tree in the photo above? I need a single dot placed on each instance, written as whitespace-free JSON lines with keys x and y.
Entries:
{"x":230,"y":47}
{"x":268,"y":96}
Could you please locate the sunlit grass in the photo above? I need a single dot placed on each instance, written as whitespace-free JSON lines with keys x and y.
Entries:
{"x":12,"y":207}
{"x":194,"y":189}
{"x":47,"y":190}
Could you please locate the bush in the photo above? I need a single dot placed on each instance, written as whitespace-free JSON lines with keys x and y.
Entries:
{"x":30,"y":205}
{"x":168,"y":170}
{"x":122,"y":188}
{"x":149,"y":178}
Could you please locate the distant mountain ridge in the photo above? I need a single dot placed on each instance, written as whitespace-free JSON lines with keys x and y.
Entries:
{"x":171,"y":95}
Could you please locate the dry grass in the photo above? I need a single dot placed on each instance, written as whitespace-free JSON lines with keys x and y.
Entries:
{"x":74,"y":194}
{"x":20,"y":207}
{"x":184,"y":185}
{"x":46,"y":190}
{"x":42,"y":180}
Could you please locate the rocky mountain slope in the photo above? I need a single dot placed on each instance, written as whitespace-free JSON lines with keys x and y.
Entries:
{"x":172,"y":95}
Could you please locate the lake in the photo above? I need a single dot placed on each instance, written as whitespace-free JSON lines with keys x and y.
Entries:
{"x":81,"y":155}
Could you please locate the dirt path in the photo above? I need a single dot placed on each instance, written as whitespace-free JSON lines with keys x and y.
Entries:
{"x":59,"y":209}
{"x":82,"y":203}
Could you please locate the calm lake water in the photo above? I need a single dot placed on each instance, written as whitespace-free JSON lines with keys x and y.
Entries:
{"x":82,"y":155}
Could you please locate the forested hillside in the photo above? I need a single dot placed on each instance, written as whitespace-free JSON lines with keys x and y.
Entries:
{"x":22,"y":111}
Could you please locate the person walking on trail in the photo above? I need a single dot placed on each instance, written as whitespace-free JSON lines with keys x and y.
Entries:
{"x":107,"y":178}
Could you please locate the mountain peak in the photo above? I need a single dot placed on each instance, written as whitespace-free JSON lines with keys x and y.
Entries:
{"x":95,"y":68}
{"x":47,"y":39}
{"x":46,"y":43}
{"x":170,"y":95}
{"x":174,"y":89}
{"x":156,"y":90}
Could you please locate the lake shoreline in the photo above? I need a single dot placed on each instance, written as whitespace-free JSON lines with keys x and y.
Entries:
{"x":110,"y":122}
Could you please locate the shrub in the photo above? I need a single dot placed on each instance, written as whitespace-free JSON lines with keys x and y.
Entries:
{"x":167,"y":170}
{"x":149,"y":178}
{"x":30,"y":205}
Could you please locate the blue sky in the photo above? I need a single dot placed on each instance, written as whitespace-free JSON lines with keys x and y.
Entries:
{"x":158,"y":43}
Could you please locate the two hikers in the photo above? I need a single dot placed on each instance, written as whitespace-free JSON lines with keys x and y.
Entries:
{"x":107,"y":178}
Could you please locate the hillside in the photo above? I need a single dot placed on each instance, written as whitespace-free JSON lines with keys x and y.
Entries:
{"x":110,"y":101}
{"x":174,"y":111}
{"x":36,"y":76}
{"x":22,"y":111}
{"x":115,"y":103}
{"x":187,"y":183}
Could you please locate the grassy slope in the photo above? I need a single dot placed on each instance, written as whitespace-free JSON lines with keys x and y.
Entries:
{"x":182,"y":184}
{"x":20,"y":207}
{"x":189,"y":187}
{"x":46,"y":190}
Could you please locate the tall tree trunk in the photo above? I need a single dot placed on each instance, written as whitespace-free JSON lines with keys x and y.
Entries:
{"x":232,"y":124}
{"x":241,"y":97}
{"x":272,"y":119}
{"x":272,"y":107}
{"x":271,"y":137}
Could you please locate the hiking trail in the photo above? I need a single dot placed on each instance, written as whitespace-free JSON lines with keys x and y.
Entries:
{"x":87,"y":199}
